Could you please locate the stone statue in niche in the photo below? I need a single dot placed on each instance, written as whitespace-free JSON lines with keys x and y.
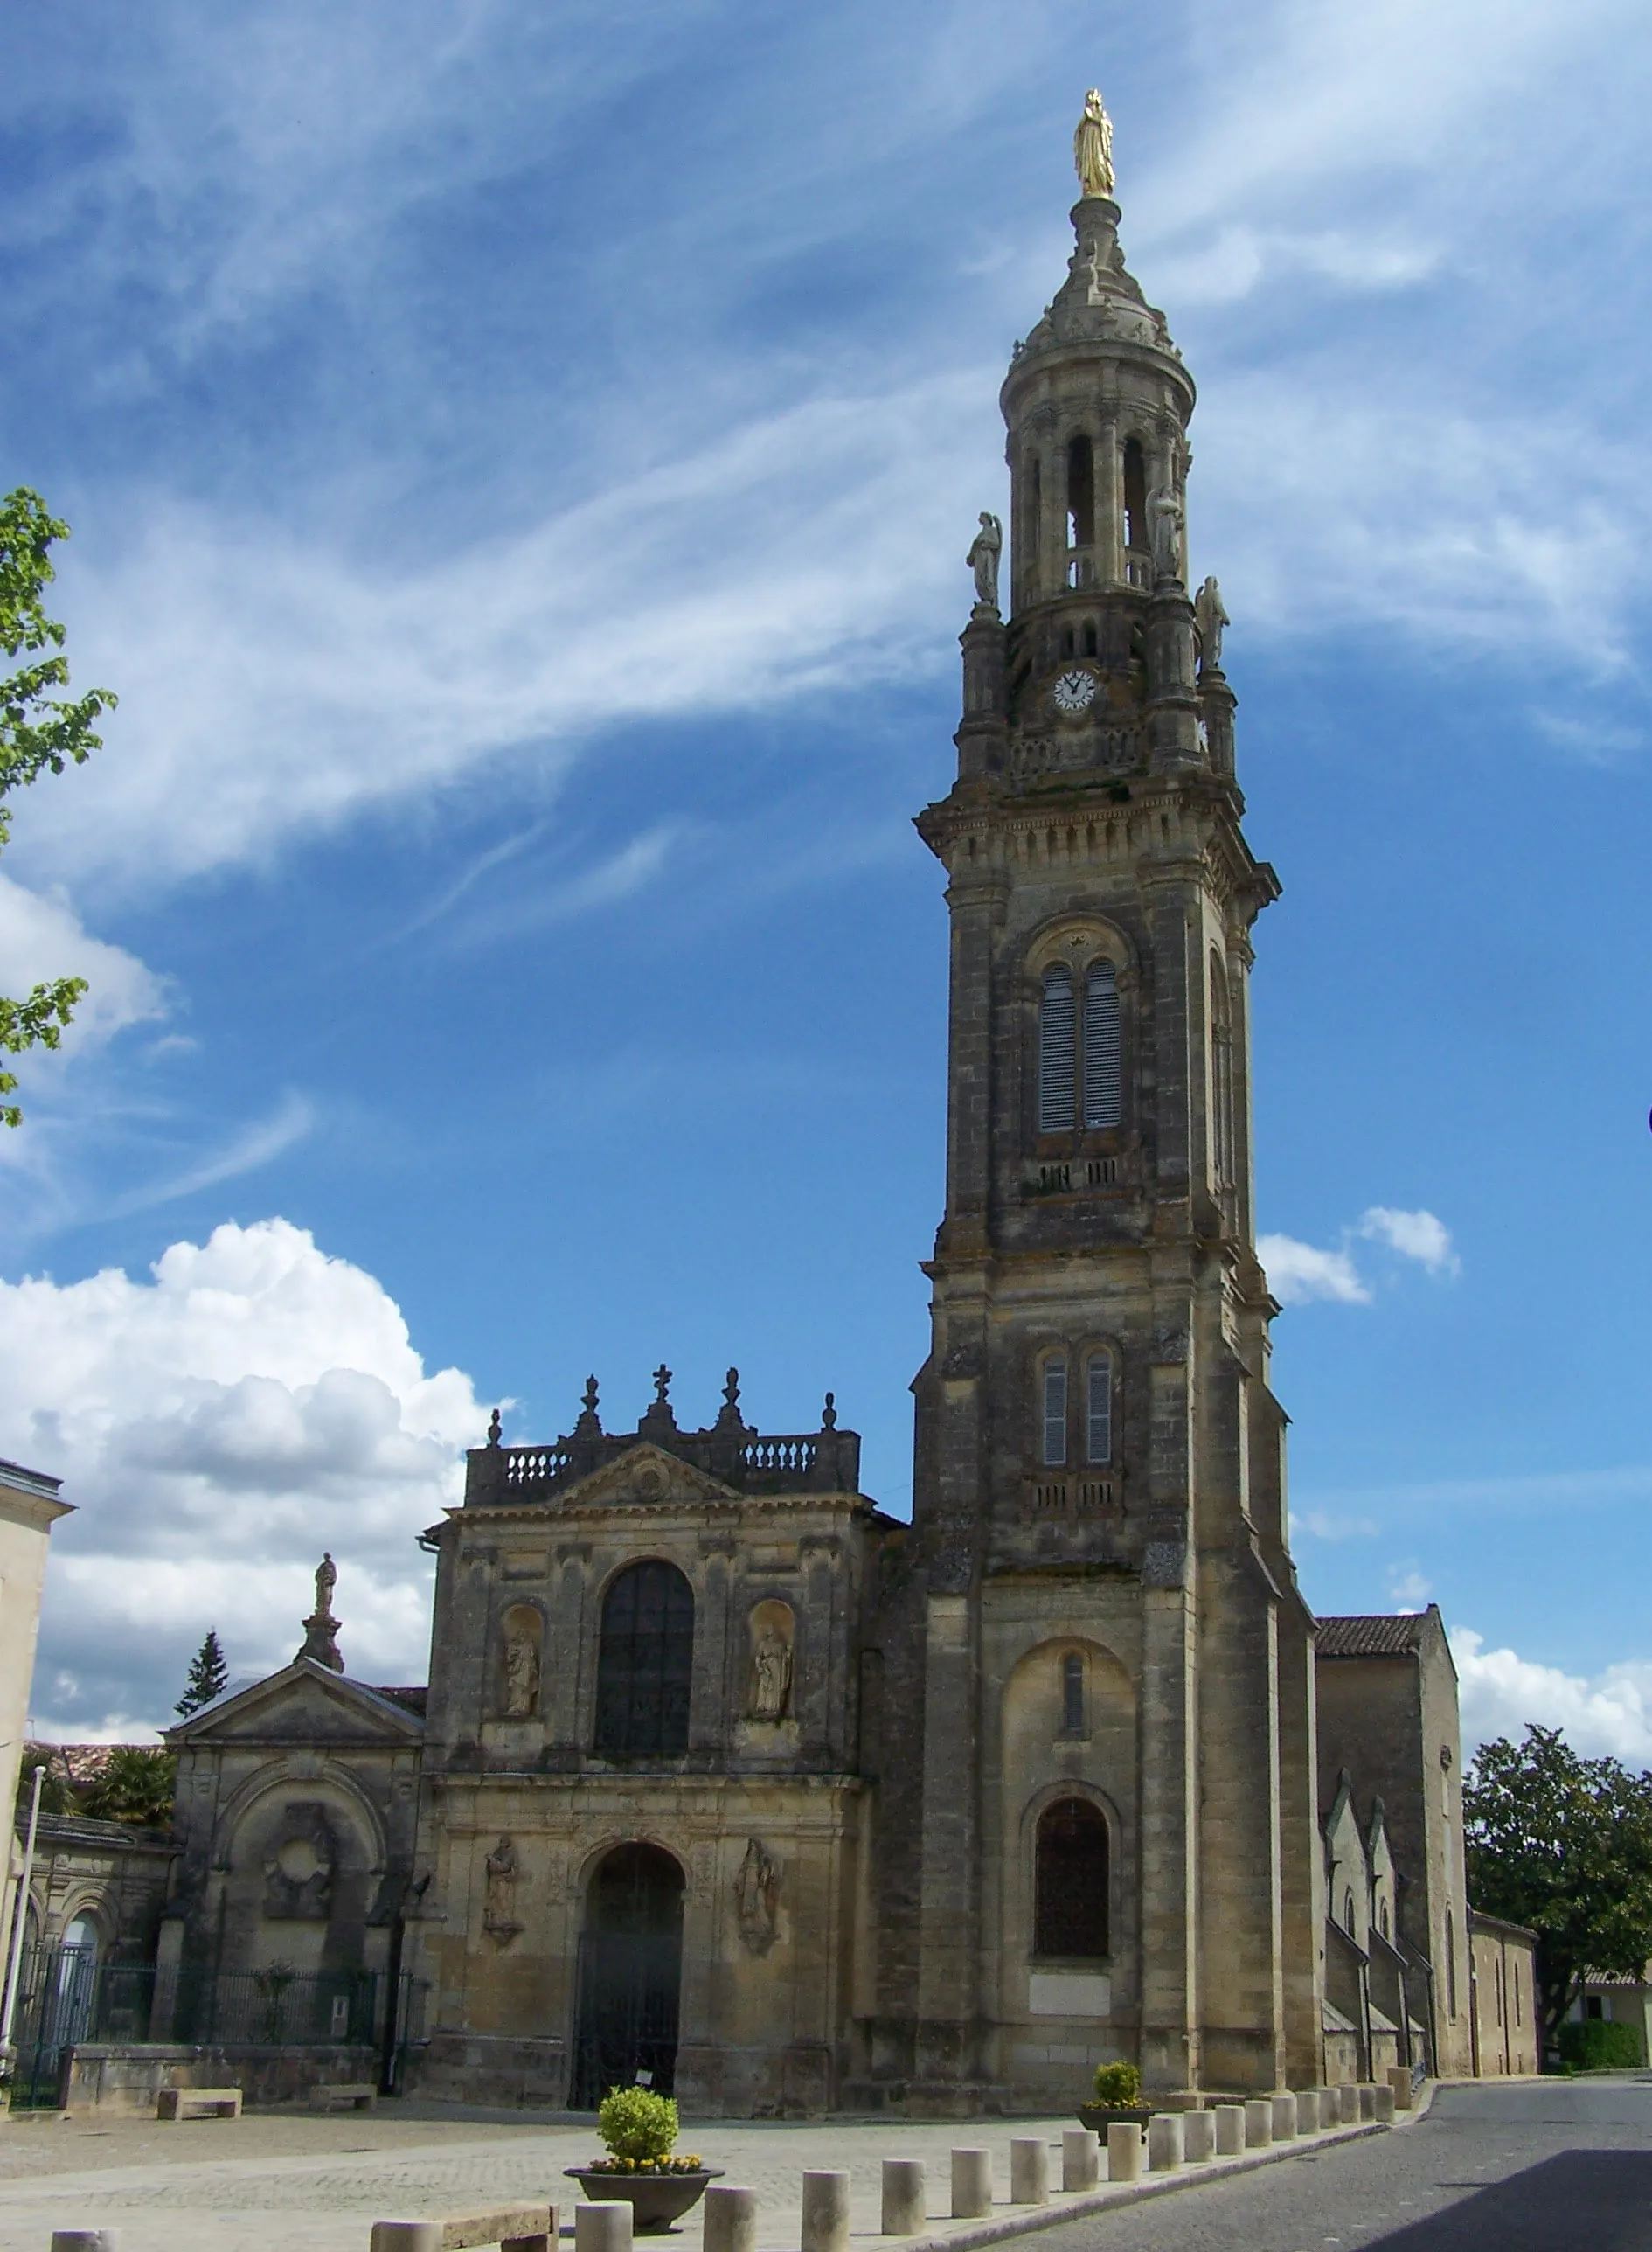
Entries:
{"x":499,"y":1911}
{"x":1165,"y":532}
{"x":982,"y":560}
{"x":771,"y":1675}
{"x":756,"y":1890}
{"x":1211,"y":620}
{"x":522,"y":1670}
{"x":298,"y":1870}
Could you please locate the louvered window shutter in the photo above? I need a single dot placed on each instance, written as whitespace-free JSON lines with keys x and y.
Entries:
{"x":1055,"y":1052}
{"x":1103,"y":1063}
{"x":1098,"y":1420}
{"x":1055,"y":1414}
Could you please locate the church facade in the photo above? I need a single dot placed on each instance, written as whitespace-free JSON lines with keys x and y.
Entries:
{"x":728,"y":1778}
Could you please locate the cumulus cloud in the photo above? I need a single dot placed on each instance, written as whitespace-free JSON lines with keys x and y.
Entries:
{"x":217,"y":1426}
{"x":1298,"y":1273}
{"x":1501,"y":1694}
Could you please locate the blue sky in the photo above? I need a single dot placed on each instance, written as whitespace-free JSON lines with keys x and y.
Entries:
{"x":520,"y":463}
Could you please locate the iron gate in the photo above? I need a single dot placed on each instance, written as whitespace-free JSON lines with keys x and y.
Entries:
{"x":65,"y":1995}
{"x":627,"y":2016}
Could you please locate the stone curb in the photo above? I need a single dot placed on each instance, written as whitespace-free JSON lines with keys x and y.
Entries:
{"x":1079,"y":2205}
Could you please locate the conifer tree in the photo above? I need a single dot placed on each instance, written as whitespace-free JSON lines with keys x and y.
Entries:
{"x":207,"y":1675}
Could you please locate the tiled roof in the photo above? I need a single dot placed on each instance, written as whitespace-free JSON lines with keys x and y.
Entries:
{"x":414,"y":1700}
{"x":1385,"y":1634}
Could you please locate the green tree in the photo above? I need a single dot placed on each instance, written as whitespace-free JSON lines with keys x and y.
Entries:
{"x":135,"y":1784}
{"x":1563,"y":1845}
{"x":39,"y":733}
{"x":55,"y":1795}
{"x":207,"y":1675}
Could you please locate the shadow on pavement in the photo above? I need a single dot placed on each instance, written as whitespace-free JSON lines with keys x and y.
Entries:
{"x":1599,"y":2199}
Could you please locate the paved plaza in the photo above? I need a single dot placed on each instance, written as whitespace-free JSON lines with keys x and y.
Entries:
{"x":281,"y":2181}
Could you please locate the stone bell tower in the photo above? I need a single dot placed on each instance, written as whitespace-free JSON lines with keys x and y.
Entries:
{"x":1110,"y":1840}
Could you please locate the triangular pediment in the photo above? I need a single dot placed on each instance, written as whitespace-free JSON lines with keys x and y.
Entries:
{"x":646,"y":1476}
{"x":304,"y":1703}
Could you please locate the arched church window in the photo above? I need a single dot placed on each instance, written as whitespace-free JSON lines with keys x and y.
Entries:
{"x":1098,"y":1407}
{"x":1136,"y":533}
{"x":1080,"y":494}
{"x":1055,"y":1051}
{"x":1069,"y":1885}
{"x":1348,"y":1909}
{"x":645,"y":1661}
{"x":1073,"y":1694}
{"x":1382,"y":1918}
{"x":1103,"y":1058}
{"x":1053,"y":1403}
{"x":1221,"y":1075}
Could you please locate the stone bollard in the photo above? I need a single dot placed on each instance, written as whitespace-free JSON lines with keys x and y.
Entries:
{"x":1198,"y":2137}
{"x":1400,"y":2081}
{"x":1230,"y":2130}
{"x":730,"y":2219}
{"x":1029,"y":2170}
{"x":825,"y":2211}
{"x":1124,"y":2151}
{"x":396,"y":2236}
{"x":1330,"y":2109}
{"x":1382,"y":2106}
{"x":85,"y":2239}
{"x":971,"y":2185}
{"x":1284,"y":2118}
{"x":1080,"y":2159}
{"x":1309,"y":2121}
{"x":602,"y":2226}
{"x":1348,"y":2104}
{"x":1165,"y":2142}
{"x":905,"y":2207}
{"x":1366,"y":2091}
{"x":1259,"y":2122}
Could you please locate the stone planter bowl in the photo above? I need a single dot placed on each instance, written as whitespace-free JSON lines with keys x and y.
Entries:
{"x":1098,"y":2117}
{"x":656,"y":2199}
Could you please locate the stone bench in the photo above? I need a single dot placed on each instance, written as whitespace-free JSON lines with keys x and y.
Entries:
{"x":344,"y":2096}
{"x":513,"y":2227}
{"x":177,"y":2103}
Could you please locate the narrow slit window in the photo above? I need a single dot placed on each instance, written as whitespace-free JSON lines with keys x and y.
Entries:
{"x":1134,"y":495}
{"x":1055,"y":1414}
{"x":1097,"y":1409}
{"x":1103,"y":1061}
{"x":1073,"y":1694}
{"x":1055,"y":1051}
{"x":1080,"y":494}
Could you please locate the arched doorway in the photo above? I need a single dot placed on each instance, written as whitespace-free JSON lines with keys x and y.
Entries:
{"x":630,"y":1970}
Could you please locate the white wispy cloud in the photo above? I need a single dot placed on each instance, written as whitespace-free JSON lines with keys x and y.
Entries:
{"x":247,"y":1149}
{"x":216,"y":1425}
{"x":1298,"y":1273}
{"x":42,"y":937}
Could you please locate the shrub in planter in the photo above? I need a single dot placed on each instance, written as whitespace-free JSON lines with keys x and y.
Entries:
{"x":635,"y":2123}
{"x":1600,"y":2044}
{"x":1119,"y":2086}
{"x":639,"y":2128}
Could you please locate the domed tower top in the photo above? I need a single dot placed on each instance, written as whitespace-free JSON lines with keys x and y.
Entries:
{"x":1097,"y":403}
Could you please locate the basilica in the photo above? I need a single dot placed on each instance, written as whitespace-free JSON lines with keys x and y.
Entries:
{"x":725,"y":1778}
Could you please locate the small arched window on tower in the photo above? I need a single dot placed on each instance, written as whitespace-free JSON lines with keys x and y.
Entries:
{"x":1098,"y":1409}
{"x":1348,"y":1909}
{"x":1070,"y":1885}
{"x":1103,"y":1060}
{"x":1135,"y":531}
{"x":1055,"y":1051}
{"x":1073,"y":1694}
{"x":1052,"y":1407}
{"x":1081,"y":510}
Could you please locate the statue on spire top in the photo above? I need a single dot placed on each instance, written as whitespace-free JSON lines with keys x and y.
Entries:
{"x":1093,"y":148}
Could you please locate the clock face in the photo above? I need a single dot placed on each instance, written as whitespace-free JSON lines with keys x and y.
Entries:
{"x":1073,"y":692}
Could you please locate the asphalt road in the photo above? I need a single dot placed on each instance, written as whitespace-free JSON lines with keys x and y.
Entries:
{"x":1552,"y":2165}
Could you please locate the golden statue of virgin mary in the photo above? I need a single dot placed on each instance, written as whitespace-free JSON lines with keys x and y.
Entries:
{"x":1093,"y":148}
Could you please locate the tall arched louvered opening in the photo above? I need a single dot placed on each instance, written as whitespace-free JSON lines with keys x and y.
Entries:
{"x":1070,"y":1885}
{"x":1221,"y":1075}
{"x":645,"y":1662}
{"x":1135,"y":525}
{"x":1103,"y":1047}
{"x":630,"y":1975}
{"x":1056,"y":1014}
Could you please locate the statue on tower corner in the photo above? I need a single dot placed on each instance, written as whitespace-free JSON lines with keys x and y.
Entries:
{"x":1165,"y":532}
{"x":321,"y":1628}
{"x":982,"y":560}
{"x":1211,"y":619}
{"x":1093,"y":148}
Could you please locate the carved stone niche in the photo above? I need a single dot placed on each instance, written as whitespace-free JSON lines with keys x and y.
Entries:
{"x":768,"y":1688}
{"x":757,"y":1898}
{"x":299,"y":1864}
{"x":522,"y":1633}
